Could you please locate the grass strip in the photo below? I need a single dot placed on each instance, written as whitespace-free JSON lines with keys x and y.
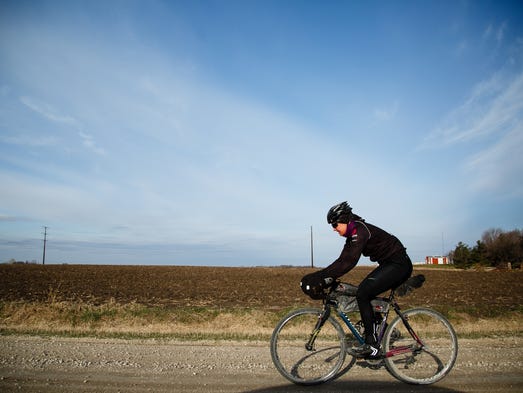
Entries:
{"x":133,"y":320}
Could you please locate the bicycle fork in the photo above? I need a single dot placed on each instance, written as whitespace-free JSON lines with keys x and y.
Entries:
{"x":322,"y":318}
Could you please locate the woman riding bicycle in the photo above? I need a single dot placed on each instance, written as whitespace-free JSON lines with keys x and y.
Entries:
{"x":394,"y":267}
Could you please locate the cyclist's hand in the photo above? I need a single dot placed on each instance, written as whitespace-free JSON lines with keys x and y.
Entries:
{"x":313,"y":284}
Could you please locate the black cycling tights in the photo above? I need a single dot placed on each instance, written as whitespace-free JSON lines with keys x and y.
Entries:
{"x":389,"y":274}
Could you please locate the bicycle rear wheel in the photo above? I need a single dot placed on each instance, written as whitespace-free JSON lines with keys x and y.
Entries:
{"x":299,"y":364}
{"x":428,"y":358}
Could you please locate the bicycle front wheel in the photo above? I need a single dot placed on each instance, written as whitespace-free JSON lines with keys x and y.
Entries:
{"x":423,"y":355}
{"x":307,"y":366}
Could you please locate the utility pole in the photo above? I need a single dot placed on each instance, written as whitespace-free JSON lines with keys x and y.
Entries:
{"x":312,"y":251}
{"x":45,"y":241}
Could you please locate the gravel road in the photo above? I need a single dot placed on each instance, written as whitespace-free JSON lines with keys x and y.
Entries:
{"x":52,"y":364}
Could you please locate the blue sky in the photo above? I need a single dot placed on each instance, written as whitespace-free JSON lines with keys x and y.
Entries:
{"x":219,"y":132}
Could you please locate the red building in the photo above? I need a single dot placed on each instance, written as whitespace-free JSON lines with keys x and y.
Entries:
{"x":436,"y":260}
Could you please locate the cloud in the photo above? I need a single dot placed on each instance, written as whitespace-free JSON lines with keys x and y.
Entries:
{"x":9,"y":218}
{"x":42,"y":200}
{"x":90,"y":144}
{"x":47,"y":111}
{"x":53,"y":115}
{"x":499,"y":167}
{"x":488,"y":31}
{"x":387,"y":113}
{"x":496,"y":32}
{"x":500,"y":34}
{"x":494,"y":107}
{"x":26,"y":140}
{"x":461,"y":47}
{"x":489,"y":124}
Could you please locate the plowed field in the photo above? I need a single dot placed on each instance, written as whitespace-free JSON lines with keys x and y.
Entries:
{"x":477,"y":293}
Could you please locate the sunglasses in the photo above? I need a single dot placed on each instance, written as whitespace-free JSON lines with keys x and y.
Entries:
{"x":335,"y":225}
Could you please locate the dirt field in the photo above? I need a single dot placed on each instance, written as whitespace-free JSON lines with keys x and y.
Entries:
{"x":474,"y":292}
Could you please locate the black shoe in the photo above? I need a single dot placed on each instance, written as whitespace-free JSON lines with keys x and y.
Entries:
{"x":365,"y":351}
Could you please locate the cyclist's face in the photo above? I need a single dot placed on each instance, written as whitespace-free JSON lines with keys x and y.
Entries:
{"x":341,"y":229}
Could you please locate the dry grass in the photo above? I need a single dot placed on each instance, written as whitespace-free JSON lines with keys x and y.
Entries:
{"x":113,"y":319}
{"x":469,"y":326}
{"x":135,"y":320}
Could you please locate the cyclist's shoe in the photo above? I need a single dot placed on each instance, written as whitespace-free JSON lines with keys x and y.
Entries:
{"x":367,"y":351}
{"x":374,"y":356}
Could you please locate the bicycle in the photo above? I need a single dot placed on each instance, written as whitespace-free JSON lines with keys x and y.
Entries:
{"x":309,"y":346}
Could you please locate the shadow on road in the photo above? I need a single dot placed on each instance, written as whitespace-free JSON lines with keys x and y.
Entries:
{"x":354,"y":387}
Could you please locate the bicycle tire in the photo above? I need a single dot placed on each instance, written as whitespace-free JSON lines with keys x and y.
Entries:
{"x":294,"y":361}
{"x":418,"y":364}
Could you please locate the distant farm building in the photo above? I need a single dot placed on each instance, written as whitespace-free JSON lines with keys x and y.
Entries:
{"x":436,"y":260}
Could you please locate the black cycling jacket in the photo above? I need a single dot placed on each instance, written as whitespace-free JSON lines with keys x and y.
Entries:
{"x":366,"y":239}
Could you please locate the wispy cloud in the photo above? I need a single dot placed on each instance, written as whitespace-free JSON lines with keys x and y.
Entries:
{"x":499,"y":166}
{"x":495,"y":32}
{"x":494,"y":107}
{"x":90,"y":144}
{"x":8,"y":218}
{"x":492,"y":119}
{"x":387,"y":112}
{"x":55,"y":116}
{"x":47,"y":111}
{"x":26,"y":140}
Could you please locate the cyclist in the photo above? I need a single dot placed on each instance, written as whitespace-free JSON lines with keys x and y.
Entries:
{"x":394,"y":267}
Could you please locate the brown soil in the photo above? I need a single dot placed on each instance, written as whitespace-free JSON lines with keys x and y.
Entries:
{"x":477,"y":293}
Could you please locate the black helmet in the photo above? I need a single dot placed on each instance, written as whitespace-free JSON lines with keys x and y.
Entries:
{"x":341,"y":212}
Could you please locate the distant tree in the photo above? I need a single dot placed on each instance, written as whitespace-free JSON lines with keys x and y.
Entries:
{"x":496,"y":248}
{"x":506,"y":248}
{"x":461,"y":255}
{"x":491,"y":235}
{"x":478,"y":254}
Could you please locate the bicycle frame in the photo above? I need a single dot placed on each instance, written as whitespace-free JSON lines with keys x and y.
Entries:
{"x":326,"y":312}
{"x":351,"y":327}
